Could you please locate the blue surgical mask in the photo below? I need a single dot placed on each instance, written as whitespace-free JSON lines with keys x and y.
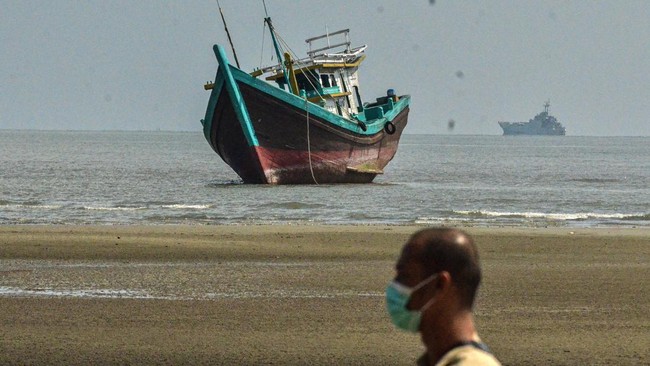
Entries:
{"x":397,"y":297}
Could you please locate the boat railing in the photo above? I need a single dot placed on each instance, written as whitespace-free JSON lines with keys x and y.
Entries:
{"x":307,"y":62}
{"x":339,"y":57}
{"x":344,"y":32}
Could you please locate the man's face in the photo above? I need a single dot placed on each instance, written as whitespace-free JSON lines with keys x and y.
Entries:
{"x":409,"y":272}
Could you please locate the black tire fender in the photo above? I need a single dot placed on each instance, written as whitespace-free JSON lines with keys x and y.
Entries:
{"x":389,"y":127}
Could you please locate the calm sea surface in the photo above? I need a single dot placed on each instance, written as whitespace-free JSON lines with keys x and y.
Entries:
{"x":153,"y":178}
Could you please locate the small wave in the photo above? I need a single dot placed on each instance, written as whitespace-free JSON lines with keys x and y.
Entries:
{"x":639,"y":217}
{"x":32,"y":203}
{"x":197,"y":217}
{"x":47,"y":207}
{"x":100,"y":208}
{"x":137,"y":203}
{"x":182,"y":207}
{"x":595,"y":180}
{"x":28,"y":205}
{"x":293,"y":205}
{"x":554,"y":216}
{"x":441,"y":221}
{"x":217,"y":184}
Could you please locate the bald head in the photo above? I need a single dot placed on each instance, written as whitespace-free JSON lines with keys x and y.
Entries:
{"x":451,"y":250}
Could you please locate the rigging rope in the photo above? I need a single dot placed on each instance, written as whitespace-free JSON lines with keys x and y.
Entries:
{"x":263,"y":38}
{"x":311,"y":168}
{"x":265,"y":10}
{"x":283,"y":45}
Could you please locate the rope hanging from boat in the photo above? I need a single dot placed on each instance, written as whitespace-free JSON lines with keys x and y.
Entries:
{"x":285,"y":45}
{"x":311,"y":167}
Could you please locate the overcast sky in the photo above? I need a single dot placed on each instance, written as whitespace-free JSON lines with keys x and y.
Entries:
{"x":141,"y":65}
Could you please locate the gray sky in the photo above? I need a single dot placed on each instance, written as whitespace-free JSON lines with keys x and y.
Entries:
{"x":141,"y":65}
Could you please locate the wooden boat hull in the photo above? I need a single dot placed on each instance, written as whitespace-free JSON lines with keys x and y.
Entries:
{"x":269,"y":136}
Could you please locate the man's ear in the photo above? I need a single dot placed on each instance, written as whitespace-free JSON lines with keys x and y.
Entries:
{"x":444,"y":281}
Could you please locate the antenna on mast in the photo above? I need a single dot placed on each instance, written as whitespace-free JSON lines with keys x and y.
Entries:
{"x":267,"y":20}
{"x":265,"y":11}
{"x":228,"y":33}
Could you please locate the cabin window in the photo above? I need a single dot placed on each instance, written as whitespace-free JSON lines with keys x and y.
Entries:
{"x":306,"y":81}
{"x":333,"y":80}
{"x":325,"y":80}
{"x":328,"y":80}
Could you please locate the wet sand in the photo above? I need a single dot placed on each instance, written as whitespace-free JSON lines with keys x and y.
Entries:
{"x":313,"y":295}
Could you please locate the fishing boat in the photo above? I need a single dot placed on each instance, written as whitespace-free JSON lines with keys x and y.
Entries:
{"x":303,"y":120}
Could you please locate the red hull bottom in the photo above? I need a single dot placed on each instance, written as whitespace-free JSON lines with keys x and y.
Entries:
{"x":294,"y":167}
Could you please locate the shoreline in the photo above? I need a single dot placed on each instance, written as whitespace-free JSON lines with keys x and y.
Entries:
{"x":443,"y":223}
{"x":296,"y":294}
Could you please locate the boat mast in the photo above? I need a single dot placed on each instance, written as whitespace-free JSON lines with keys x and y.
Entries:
{"x":228,"y":33}
{"x":277,"y":48}
{"x":277,"y":52}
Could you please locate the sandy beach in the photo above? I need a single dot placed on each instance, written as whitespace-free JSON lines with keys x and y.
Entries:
{"x":285,"y":295}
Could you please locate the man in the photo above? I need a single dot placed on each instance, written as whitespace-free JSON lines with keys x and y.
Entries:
{"x":433,"y":293}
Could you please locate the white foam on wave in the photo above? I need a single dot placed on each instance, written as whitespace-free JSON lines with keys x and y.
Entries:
{"x":181,"y":206}
{"x":437,"y":220}
{"x":32,"y":207}
{"x":552,"y":216}
{"x":95,"y":208}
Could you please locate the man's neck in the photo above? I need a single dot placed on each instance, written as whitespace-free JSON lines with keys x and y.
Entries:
{"x":441,"y":338}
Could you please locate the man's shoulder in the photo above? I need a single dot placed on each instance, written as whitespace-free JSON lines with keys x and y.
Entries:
{"x":468,"y":355}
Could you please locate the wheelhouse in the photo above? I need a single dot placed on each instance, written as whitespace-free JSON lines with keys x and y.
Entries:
{"x":328,"y":76}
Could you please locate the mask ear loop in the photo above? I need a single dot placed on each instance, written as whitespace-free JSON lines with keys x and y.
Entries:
{"x":408,"y":291}
{"x":431,"y":301}
{"x":424,"y":282}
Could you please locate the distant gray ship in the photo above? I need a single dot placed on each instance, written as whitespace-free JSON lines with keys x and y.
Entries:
{"x":542,"y":124}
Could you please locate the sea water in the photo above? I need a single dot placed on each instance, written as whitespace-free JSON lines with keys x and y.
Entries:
{"x":154,"y":178}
